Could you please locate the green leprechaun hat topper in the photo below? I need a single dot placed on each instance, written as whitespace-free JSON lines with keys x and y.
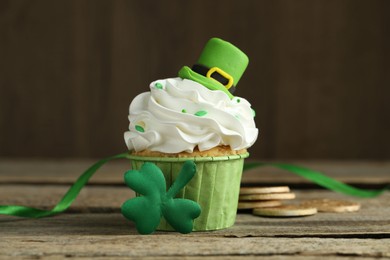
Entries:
{"x":219,"y":67}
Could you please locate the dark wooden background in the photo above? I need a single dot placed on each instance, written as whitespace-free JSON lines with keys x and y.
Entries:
{"x":318,"y":76}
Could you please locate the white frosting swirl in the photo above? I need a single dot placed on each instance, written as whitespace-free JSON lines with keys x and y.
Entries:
{"x":179,"y":114}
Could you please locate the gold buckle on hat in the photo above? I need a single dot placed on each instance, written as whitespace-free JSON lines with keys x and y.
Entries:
{"x":223,"y":74}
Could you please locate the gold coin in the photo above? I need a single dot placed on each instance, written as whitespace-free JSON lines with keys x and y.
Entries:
{"x":262,"y":190}
{"x":258,"y":204}
{"x":285,"y":211}
{"x":269,"y":196}
{"x":328,"y":205}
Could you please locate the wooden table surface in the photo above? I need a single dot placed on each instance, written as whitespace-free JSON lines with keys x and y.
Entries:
{"x":94,"y":228}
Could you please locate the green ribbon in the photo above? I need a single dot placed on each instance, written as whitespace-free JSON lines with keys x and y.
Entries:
{"x":74,"y":190}
{"x":66,"y":200}
{"x":321,"y":179}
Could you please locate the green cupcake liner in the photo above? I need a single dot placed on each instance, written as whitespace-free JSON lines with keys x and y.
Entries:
{"x":215,"y":186}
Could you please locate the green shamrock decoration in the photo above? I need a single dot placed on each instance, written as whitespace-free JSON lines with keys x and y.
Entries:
{"x":146,"y":211}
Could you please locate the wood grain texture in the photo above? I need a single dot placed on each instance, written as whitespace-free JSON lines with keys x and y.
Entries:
{"x":94,"y":228}
{"x":86,"y":245}
{"x":318,"y":79}
{"x":362,"y":234}
{"x":66,"y":171}
{"x":365,"y":233}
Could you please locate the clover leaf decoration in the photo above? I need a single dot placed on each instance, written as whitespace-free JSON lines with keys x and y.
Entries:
{"x":146,"y":210}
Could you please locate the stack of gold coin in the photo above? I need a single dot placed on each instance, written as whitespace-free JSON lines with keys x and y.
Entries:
{"x":263,"y":197}
{"x":267,"y":202}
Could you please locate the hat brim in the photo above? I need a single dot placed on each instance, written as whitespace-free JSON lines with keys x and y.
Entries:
{"x":188,"y":73}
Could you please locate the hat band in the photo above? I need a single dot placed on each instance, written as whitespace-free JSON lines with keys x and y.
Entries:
{"x":216,"y":74}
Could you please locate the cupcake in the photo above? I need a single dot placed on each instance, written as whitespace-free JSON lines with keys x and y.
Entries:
{"x":196,"y":117}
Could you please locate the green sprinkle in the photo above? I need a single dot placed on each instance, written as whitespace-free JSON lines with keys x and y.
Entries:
{"x":184,"y":111}
{"x":158,"y":85}
{"x":139,"y":128}
{"x":238,"y":100}
{"x":201,"y":113}
{"x":254,"y":112}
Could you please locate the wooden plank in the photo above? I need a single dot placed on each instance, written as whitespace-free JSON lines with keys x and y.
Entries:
{"x":292,"y":257}
{"x":365,"y":233}
{"x":353,"y":172}
{"x":90,"y":199}
{"x":372,"y":219}
{"x":96,"y":242}
{"x":324,"y":225}
{"x":59,"y":171}
{"x":230,"y":257}
{"x":314,"y":107}
{"x":67,"y":171}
